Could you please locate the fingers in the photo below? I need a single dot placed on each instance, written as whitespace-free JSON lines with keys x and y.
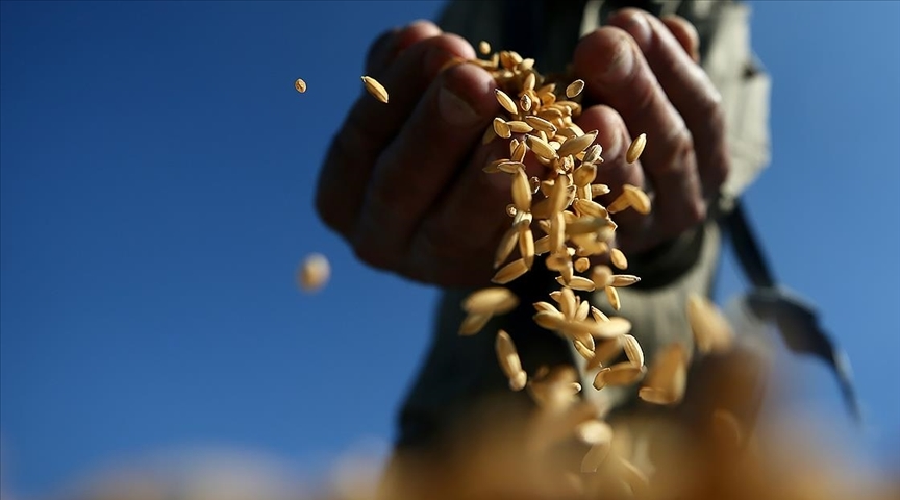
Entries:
{"x":423,"y":160}
{"x":686,"y":34}
{"x":687,"y":87}
{"x":390,"y":43}
{"x":617,"y":74}
{"x":372,"y":125}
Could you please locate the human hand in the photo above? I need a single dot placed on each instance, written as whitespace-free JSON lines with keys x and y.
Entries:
{"x":403,"y":182}
{"x":642,"y":74}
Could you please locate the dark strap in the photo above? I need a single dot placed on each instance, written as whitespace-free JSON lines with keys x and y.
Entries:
{"x":797,"y":320}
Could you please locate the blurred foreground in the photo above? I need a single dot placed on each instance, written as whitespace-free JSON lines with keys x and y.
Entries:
{"x":712,"y":444}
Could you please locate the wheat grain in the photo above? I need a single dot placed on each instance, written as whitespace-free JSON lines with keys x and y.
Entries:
{"x":637,"y":198}
{"x":613,"y":296}
{"x":510,"y":272}
{"x":300,"y":85}
{"x":636,"y":148}
{"x":712,"y":333}
{"x":574,"y":88}
{"x":505,"y":101}
{"x":473,"y":323}
{"x":314,"y":273}
{"x":492,"y":300}
{"x":633,"y":350}
{"x":582,"y":264}
{"x":501,"y":128}
{"x":376,"y":89}
{"x":618,"y":258}
{"x":526,"y":247}
{"x":577,"y":144}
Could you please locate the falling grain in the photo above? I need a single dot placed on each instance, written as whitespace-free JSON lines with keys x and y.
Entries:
{"x":492,"y":300}
{"x":618,"y":258}
{"x":574,"y":88}
{"x":712,"y":333}
{"x":501,"y":128}
{"x":613,"y":296}
{"x":376,"y":89}
{"x":314,"y":273}
{"x":582,"y":264}
{"x":633,"y":350}
{"x":510,"y":272}
{"x":577,"y":144}
{"x":526,"y":247}
{"x":636,"y":148}
{"x":505,"y":101}
{"x":473,"y":323}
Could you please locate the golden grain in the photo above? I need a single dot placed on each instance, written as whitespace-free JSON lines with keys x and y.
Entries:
{"x":666,"y":379}
{"x":599,"y":190}
{"x":557,"y":231}
{"x":574,"y":88}
{"x":636,"y":148}
{"x":577,"y":144}
{"x":618,"y":258}
{"x":610,"y":327}
{"x":518,"y":127}
{"x":505,"y":101}
{"x":613,"y":296}
{"x":582,"y":264}
{"x":585,"y":353}
{"x":601,"y":276}
{"x":637,"y":198}
{"x":541,"y":148}
{"x":623,"y":374}
{"x":473,"y":323}
{"x":542,"y":245}
{"x":300,"y":85}
{"x":526,"y":247}
{"x":712,"y":333}
{"x":590,"y":208}
{"x":491,"y":300}
{"x":619,"y":280}
{"x":619,"y":204}
{"x":501,"y":128}
{"x":592,"y":154}
{"x":314,"y":273}
{"x":510,"y":272}
{"x":376,"y":89}
{"x":633,"y":350}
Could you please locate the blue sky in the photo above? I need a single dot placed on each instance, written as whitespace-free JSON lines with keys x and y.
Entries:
{"x":157,"y":179}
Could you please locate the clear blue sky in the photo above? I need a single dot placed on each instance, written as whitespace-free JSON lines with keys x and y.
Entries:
{"x":157,"y":179}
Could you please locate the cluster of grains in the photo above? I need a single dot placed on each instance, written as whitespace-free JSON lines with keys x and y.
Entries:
{"x":565,"y":207}
{"x":572,"y":216}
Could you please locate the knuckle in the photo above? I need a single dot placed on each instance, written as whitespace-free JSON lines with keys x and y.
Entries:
{"x":680,"y":156}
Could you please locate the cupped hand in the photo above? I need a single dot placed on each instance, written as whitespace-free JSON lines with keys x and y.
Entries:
{"x":403,"y":182}
{"x":641,"y":75}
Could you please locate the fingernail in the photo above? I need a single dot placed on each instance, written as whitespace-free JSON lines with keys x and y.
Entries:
{"x":455,"y":109}
{"x":622,"y":62}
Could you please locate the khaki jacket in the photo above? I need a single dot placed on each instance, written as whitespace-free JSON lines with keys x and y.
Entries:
{"x":459,"y":371}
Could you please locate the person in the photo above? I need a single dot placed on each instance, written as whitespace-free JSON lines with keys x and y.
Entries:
{"x":403,"y":183}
